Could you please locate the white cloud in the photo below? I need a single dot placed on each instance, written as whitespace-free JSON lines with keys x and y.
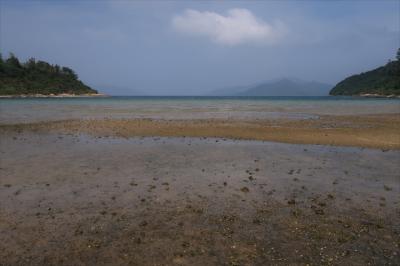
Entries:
{"x":239,"y":26}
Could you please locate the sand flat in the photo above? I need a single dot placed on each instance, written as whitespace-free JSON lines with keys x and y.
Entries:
{"x":152,"y":188}
{"x":81,"y":199}
{"x":371,"y":131}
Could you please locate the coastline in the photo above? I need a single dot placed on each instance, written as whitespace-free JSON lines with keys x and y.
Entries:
{"x":62,"y":95}
{"x":372,"y":95}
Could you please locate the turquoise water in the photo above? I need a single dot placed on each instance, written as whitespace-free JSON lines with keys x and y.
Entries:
{"x":170,"y":107}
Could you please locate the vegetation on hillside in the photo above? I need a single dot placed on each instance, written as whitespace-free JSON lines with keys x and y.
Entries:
{"x":384,"y":80}
{"x":38,"y":77}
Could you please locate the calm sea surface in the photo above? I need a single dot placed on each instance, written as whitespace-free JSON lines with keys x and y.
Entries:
{"x":44,"y":109}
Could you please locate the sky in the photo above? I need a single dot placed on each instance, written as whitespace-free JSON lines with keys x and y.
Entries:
{"x":190,"y":48}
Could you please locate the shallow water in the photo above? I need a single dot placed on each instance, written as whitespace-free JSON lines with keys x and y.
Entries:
{"x":44,"y":109}
{"x":156,"y":201}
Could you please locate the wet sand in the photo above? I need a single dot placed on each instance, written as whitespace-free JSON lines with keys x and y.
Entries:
{"x":371,"y":131}
{"x":79,"y":193}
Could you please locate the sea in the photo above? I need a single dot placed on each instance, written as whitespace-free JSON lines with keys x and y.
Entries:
{"x":28,"y":110}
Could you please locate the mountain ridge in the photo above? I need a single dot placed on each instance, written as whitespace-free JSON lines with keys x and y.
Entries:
{"x":277,"y":87}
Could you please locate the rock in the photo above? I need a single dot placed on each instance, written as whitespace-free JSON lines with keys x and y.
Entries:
{"x":319,"y":211}
{"x":291,"y":202}
{"x":244,"y":189}
{"x":256,"y":221}
{"x":387,"y":188}
{"x":144,"y":223}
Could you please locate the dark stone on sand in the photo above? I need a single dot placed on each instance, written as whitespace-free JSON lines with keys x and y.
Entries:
{"x":387,"y":188}
{"x":319,"y":211}
{"x":330,"y":196}
{"x":144,"y":223}
{"x":256,"y":221}
{"x":244,"y":189}
{"x":291,"y":202}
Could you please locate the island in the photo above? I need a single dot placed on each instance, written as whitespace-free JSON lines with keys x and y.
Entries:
{"x":39,"y":79}
{"x":383,"y":81}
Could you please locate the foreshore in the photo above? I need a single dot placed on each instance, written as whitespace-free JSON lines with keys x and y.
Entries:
{"x":234,"y":190}
{"x":74,"y":199}
{"x":370,"y":131}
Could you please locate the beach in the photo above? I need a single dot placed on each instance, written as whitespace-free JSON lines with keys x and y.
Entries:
{"x":370,"y":131}
{"x":183,"y":182}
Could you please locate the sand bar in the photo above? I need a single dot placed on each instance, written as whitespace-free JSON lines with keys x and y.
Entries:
{"x":372,"y":131}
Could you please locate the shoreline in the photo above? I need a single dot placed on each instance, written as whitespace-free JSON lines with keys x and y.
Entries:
{"x":368,"y":131}
{"x":62,"y":95}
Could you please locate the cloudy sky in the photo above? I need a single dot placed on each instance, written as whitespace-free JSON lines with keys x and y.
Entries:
{"x":123,"y":47}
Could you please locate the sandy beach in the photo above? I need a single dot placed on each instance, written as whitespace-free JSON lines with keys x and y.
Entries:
{"x":92,"y":192}
{"x":138,"y":182}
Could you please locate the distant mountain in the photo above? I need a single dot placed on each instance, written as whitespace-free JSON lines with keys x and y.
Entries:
{"x":278,"y":87}
{"x":228,"y":91}
{"x":38,"y":77}
{"x":384,"y":80}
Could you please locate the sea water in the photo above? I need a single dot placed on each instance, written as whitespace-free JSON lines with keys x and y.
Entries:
{"x":25,"y":110}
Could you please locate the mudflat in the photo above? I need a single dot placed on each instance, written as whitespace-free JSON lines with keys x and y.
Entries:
{"x":91,"y":193}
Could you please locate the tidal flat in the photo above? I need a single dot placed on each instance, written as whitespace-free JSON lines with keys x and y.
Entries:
{"x":72,"y":198}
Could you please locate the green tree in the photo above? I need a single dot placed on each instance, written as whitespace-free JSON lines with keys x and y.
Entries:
{"x":1,"y":64}
{"x":69,"y":72}
{"x":13,"y":61}
{"x":38,"y":77}
{"x":31,"y":63}
{"x":398,"y":54}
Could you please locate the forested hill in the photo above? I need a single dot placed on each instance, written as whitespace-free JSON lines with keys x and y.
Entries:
{"x":38,"y":77}
{"x":383,"y":81}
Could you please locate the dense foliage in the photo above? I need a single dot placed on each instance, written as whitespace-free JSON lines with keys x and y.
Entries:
{"x":38,"y":77}
{"x":384,"y":80}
